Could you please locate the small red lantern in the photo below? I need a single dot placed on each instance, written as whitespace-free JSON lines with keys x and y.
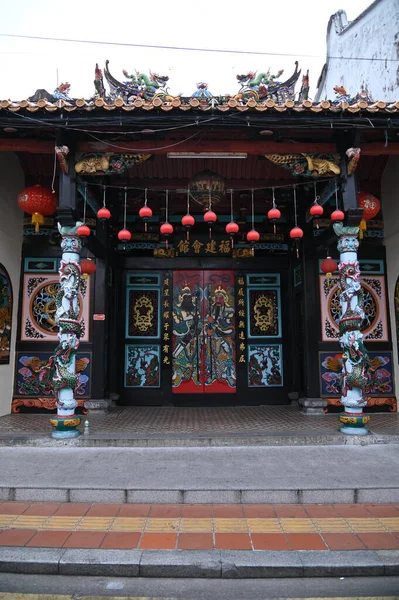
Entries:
{"x":273,"y":215}
{"x":371,"y":207}
{"x":210,"y":217}
{"x":145,"y":213}
{"x":316,"y":211}
{"x":39,"y":202}
{"x":188,"y":222}
{"x":296,"y":234}
{"x":166,"y":229}
{"x":87,"y":266}
{"x":328,"y":266}
{"x":83,"y":231}
{"x":124,"y":235}
{"x":103,"y":214}
{"x":337,"y":216}
{"x":232,"y":229}
{"x":253,"y":236}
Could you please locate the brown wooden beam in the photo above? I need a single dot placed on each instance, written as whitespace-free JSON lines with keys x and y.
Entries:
{"x":250,"y":147}
{"x":32,"y":146}
{"x":151,"y":147}
{"x":175,"y":184}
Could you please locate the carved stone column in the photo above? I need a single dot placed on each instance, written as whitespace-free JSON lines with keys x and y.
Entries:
{"x":61,"y":367}
{"x":354,"y":354}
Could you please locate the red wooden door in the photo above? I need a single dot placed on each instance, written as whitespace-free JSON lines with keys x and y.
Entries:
{"x":203,"y":342}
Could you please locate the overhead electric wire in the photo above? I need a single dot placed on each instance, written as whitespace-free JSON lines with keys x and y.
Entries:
{"x":187,"y":49}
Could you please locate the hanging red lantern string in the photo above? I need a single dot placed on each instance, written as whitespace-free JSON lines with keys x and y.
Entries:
{"x":296,"y":232}
{"x":328,"y":266}
{"x":371,"y":206}
{"x":210,"y":217}
{"x":124,"y":234}
{"x":83,"y":230}
{"x":316,"y":210}
{"x":274,"y":214}
{"x":253,"y":236}
{"x":103,"y":214}
{"x":232,"y":228}
{"x":188,"y":220}
{"x":38,"y":202}
{"x":145,"y":211}
{"x":337,"y":216}
{"x":166,"y":228}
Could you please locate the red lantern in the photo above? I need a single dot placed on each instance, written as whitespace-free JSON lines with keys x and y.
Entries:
{"x":273,"y":215}
{"x":145,"y":213}
{"x":166,"y":229}
{"x":87,"y":266}
{"x":39,"y":202}
{"x":371,"y":206}
{"x":337,"y":216}
{"x":103,"y":214}
{"x":253,"y":236}
{"x":124,"y":235}
{"x":316,"y":211}
{"x":83,"y":231}
{"x":210,"y":217}
{"x":188,"y":222}
{"x":296,"y":234}
{"x":232,"y":229}
{"x":328,"y":266}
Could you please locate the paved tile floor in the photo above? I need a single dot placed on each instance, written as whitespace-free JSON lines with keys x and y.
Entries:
{"x":200,"y":526}
{"x":245,"y":420}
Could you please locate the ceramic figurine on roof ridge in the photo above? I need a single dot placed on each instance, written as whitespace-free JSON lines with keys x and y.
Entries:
{"x":202,"y":93}
{"x":62,"y":92}
{"x":138,"y":85}
{"x":99,"y":82}
{"x":343,"y":96}
{"x":264,"y":86}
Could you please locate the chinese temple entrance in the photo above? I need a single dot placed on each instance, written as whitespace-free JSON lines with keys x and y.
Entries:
{"x":206,"y":335}
{"x":203,"y":334}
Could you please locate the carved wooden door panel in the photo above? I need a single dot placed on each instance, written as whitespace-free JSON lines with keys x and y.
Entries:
{"x":203,"y":332}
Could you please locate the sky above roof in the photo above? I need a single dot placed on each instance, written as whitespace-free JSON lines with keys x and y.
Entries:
{"x":294,"y":29}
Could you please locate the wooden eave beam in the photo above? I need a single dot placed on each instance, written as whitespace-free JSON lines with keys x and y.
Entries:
{"x":151,"y":147}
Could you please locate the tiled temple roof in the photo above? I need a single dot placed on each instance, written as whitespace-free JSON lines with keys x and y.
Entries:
{"x":193,"y":104}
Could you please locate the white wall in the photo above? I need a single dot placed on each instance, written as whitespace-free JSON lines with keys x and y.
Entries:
{"x":374,"y":34}
{"x":11,"y":230}
{"x":390,"y":206}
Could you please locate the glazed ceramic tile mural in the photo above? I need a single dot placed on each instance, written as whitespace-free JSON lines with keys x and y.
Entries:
{"x":39,"y":306}
{"x":374,"y":326}
{"x":5,"y":315}
{"x":379,"y":374}
{"x":31,"y":380}
{"x":265,"y":365}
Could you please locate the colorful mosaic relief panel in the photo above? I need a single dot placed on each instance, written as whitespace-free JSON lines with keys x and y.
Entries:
{"x":143,"y":314}
{"x":31,"y":380}
{"x":374,"y":326}
{"x":380,"y":375}
{"x":39,"y":306}
{"x":5,"y":315}
{"x":265,"y":365}
{"x":263,"y":313}
{"x":142,"y":366}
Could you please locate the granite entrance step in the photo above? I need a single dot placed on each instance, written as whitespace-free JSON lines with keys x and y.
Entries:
{"x":239,"y":474}
{"x":200,"y":540}
{"x":200,"y":427}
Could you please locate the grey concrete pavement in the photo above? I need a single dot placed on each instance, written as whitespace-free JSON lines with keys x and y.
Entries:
{"x":240,"y":474}
{"x":200,"y":589}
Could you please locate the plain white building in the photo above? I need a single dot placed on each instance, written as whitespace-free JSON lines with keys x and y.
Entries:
{"x":363,"y":54}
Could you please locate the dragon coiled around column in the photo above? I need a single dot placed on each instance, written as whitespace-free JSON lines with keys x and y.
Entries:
{"x":351,"y":338}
